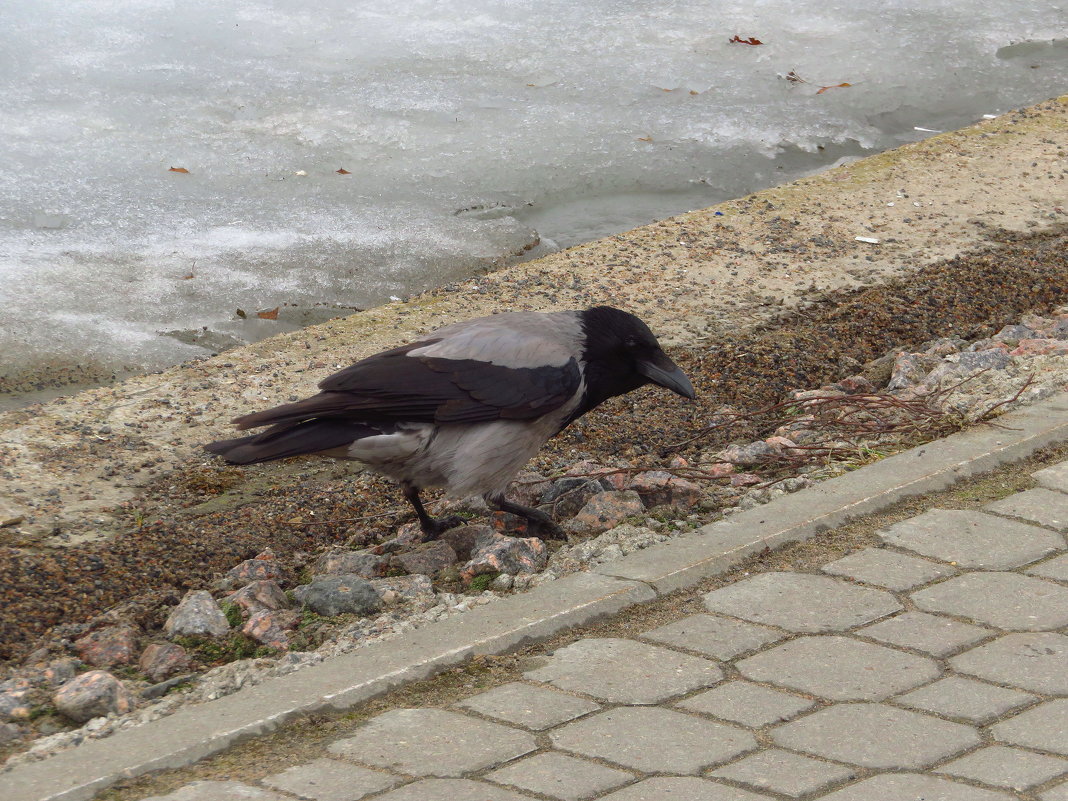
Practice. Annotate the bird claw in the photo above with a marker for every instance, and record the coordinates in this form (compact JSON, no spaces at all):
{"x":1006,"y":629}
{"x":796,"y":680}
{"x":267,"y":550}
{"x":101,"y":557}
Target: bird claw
{"x":435,"y":528}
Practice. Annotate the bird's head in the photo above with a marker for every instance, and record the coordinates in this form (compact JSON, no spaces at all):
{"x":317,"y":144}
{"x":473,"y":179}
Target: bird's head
{"x":621,"y":354}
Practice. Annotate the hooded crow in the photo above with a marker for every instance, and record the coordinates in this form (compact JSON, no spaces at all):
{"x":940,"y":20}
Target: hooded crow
{"x":466,"y":406}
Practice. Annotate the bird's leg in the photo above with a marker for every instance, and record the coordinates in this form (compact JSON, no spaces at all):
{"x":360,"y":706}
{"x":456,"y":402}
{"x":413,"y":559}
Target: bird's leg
{"x":542,"y":526}
{"x":432,"y":529}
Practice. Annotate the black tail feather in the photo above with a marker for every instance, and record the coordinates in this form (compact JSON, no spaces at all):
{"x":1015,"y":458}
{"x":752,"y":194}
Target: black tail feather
{"x":285,"y":440}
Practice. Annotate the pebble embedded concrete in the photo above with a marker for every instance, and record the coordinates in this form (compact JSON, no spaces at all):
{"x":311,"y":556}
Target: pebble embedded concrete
{"x":933,"y":667}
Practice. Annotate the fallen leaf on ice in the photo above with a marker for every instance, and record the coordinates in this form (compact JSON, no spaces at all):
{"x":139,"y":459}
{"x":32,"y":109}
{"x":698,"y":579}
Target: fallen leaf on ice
{"x":752,"y":40}
{"x":835,"y":86}
{"x":271,"y":314}
{"x":179,"y":169}
{"x":343,"y":171}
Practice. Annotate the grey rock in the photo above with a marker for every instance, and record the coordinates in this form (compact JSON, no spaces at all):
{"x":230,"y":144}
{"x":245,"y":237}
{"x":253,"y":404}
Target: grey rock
{"x":10,"y":733}
{"x":427,"y":558}
{"x":496,"y":553}
{"x":198,"y":613}
{"x":569,"y":494}
{"x":345,"y":561}
{"x":330,"y":596}
{"x":754,"y":453}
{"x":259,"y":596}
{"x":91,"y":695}
{"x":160,"y":660}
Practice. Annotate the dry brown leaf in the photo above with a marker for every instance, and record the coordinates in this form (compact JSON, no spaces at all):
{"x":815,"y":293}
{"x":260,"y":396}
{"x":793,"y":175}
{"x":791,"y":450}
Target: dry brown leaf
{"x":645,"y":139}
{"x":187,"y":277}
{"x":835,"y":86}
{"x":179,"y":169}
{"x":343,"y":171}
{"x":270,"y":314}
{"x":752,"y":40}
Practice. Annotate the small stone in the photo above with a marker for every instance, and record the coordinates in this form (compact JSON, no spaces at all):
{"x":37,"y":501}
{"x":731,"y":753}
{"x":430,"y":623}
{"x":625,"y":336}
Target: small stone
{"x":9,"y":733}
{"x":162,"y":660}
{"x":606,"y":511}
{"x":497,"y":553}
{"x":198,"y":613}
{"x":16,"y":703}
{"x":337,"y":595}
{"x":503,"y":582}
{"x":528,"y":487}
{"x":1039,"y":347}
{"x":657,"y":488}
{"x":614,"y":544}
{"x":462,"y":539}
{"x":1014,"y":333}
{"x":251,"y":570}
{"x":718,"y":469}
{"x":757,"y":452}
{"x":55,"y":673}
{"x":93,"y":694}
{"x":416,"y":589}
{"x":745,"y":479}
{"x":258,"y":596}
{"x":114,"y":645}
{"x":909,"y":369}
{"x":568,"y":495}
{"x":339,"y":561}
{"x":428,"y":558}
{"x":269,"y":626}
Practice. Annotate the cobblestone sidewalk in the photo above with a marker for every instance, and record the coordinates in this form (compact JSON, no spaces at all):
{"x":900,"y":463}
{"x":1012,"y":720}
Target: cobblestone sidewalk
{"x":930,"y":669}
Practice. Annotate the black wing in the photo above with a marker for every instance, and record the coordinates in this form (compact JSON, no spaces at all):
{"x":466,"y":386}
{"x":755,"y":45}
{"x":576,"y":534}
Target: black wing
{"x":393,"y":386}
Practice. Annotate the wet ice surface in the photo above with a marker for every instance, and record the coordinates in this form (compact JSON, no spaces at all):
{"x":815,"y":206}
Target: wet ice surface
{"x":469,"y":131}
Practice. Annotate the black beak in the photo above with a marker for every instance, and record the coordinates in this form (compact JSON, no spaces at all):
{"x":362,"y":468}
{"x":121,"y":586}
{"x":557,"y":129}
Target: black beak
{"x":661,"y":370}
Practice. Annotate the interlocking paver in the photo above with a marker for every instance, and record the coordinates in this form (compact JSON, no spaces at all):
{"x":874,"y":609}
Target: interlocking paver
{"x":876,"y":736}
{"x":1055,"y":568}
{"x":654,"y":740}
{"x":932,"y":634}
{"x":1054,"y":477}
{"x":715,"y":636}
{"x":1036,"y":662}
{"x":1058,"y":793}
{"x":913,"y":787}
{"x":1010,"y":768}
{"x":748,"y":704}
{"x":973,"y":539}
{"x":1043,"y":506}
{"x":1004,"y":600}
{"x":432,"y":742}
{"x":801,"y":602}
{"x":839,"y":668}
{"x":884,"y":568}
{"x":1044,"y":727}
{"x":682,"y":788}
{"x":452,"y":790}
{"x":782,"y":772}
{"x":560,"y":776}
{"x":533,"y":707}
{"x":330,"y":780}
{"x":625,"y":671}
{"x":219,"y":791}
{"x":958,"y":697}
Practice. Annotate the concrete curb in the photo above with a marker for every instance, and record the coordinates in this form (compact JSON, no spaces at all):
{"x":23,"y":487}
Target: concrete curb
{"x":198,"y":731}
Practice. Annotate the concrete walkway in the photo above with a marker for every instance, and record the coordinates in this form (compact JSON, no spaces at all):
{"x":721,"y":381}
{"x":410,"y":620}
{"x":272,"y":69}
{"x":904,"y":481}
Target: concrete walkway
{"x":932,"y":667}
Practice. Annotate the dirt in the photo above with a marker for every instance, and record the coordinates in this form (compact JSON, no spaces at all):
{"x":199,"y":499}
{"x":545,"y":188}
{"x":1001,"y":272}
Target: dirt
{"x":304,"y":740}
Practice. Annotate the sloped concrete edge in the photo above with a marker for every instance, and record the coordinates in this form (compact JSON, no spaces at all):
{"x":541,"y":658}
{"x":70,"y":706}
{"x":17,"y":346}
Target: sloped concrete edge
{"x":201,"y":730}
{"x":717,"y":547}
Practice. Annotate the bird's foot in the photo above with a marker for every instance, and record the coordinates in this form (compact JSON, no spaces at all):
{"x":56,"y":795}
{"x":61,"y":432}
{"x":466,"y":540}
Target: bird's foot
{"x":435,"y":527}
{"x":539,"y":524}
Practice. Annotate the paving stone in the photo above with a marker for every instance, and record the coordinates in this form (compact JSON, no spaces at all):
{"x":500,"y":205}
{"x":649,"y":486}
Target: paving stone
{"x":932,"y":634}
{"x":682,"y":788}
{"x":958,"y":697}
{"x":973,"y":539}
{"x":1010,"y":768}
{"x":895,"y":571}
{"x":1058,"y":793}
{"x":782,"y":772}
{"x":1055,"y":477}
{"x":1004,"y":600}
{"x":1042,"y":506}
{"x":654,"y":740}
{"x":331,"y":780}
{"x":1055,"y":568}
{"x":876,"y":736}
{"x":801,"y":602}
{"x":625,"y":671}
{"x":1044,"y":727}
{"x":451,"y":790}
{"x":913,"y":787}
{"x":219,"y":791}
{"x":718,"y":637}
{"x":560,"y":776}
{"x":533,"y":707}
{"x":839,"y":668}
{"x":1036,"y":662}
{"x":748,"y":704}
{"x":432,"y":742}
